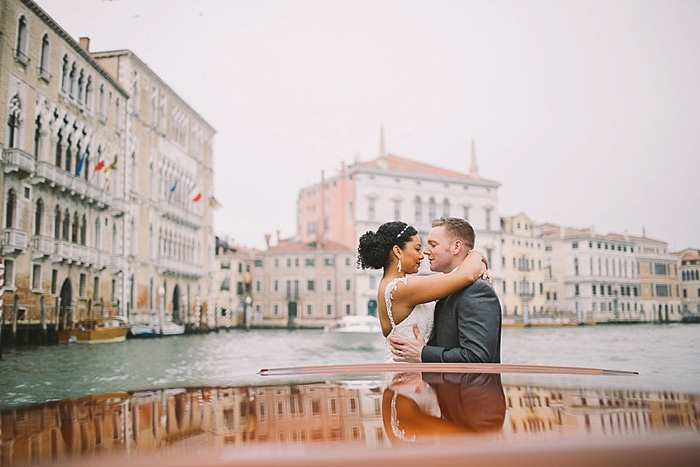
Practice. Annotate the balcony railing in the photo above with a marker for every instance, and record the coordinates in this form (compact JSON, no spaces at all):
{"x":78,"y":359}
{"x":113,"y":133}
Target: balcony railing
{"x":43,"y":246}
{"x":178,"y":267}
{"x":73,"y":253}
{"x":13,"y":240}
{"x":17,"y":160}
{"x":179,"y":214}
{"x":525,"y":295}
{"x":119,"y":206}
{"x":77,"y":186}
{"x":524,"y":267}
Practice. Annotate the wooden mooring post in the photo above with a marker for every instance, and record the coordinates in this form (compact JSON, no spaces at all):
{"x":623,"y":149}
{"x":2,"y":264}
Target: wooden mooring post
{"x":43,"y":338}
{"x":58,"y":314}
{"x":2,"y":303}
{"x":15,"y":309}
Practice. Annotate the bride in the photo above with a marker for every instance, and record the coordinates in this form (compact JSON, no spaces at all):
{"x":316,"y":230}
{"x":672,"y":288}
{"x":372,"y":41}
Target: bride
{"x":396,"y":248}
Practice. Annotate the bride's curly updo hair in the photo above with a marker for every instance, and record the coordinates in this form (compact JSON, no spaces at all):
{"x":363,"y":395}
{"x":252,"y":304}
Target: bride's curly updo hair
{"x":374,"y":248}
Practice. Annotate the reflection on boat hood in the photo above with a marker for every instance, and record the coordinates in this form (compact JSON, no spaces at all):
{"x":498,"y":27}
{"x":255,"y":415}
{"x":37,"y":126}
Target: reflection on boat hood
{"x":384,"y":411}
{"x":416,"y":408}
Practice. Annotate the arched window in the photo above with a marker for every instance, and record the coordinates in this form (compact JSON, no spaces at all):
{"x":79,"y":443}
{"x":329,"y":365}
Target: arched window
{"x":419,"y":209}
{"x":38,"y":216}
{"x":81,"y":83}
{"x":88,"y":93}
{"x":83,"y":230}
{"x":57,"y":223}
{"x":10,"y":208}
{"x":44,"y":58}
{"x":22,"y":39}
{"x":134,"y":172}
{"x":431,"y":208}
{"x":97,"y":234}
{"x":59,"y":149}
{"x":66,"y":225}
{"x":71,"y":80}
{"x":86,"y":163}
{"x":116,"y":113}
{"x":134,"y":237}
{"x":101,"y":108}
{"x":69,"y":157}
{"x":64,"y":73}
{"x":446,"y":207}
{"x":37,"y":137}
{"x":74,"y":233}
{"x":14,"y":120}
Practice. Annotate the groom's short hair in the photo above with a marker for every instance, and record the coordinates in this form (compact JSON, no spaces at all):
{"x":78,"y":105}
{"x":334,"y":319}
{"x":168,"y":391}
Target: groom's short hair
{"x":458,"y":228}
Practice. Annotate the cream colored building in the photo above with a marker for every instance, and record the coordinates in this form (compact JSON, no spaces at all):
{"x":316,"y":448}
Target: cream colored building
{"x":297,"y":284}
{"x":367,"y":194}
{"x":689,"y":267}
{"x":591,"y":276}
{"x":62,"y":188}
{"x":232,"y":282}
{"x":522,"y":292}
{"x":659,"y":278}
{"x":168,"y":167}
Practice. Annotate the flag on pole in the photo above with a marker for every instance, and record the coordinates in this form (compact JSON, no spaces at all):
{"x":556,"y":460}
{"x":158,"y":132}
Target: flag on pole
{"x":100,"y":163}
{"x":112,"y":166}
{"x":172,"y":188}
{"x":213,"y":203}
{"x":81,"y":162}
{"x":197,"y":197}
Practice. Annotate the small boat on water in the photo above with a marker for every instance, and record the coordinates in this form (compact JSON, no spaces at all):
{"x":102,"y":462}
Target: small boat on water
{"x":354,"y":332}
{"x":154,"y":329}
{"x":96,"y":331}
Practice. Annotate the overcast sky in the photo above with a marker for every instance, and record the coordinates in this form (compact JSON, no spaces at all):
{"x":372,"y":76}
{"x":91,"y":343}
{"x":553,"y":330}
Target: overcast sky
{"x":587,"y":112}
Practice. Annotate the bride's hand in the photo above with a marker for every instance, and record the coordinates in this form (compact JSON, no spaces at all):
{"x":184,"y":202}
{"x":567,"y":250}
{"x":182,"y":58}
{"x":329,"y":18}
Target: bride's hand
{"x":486,"y":275}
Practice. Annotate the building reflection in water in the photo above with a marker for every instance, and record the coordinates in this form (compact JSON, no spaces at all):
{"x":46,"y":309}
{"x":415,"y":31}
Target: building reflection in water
{"x":404,"y":408}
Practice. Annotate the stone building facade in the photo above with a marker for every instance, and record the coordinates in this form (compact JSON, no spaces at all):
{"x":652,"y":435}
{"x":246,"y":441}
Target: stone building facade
{"x":594,"y":276}
{"x":610,"y":277}
{"x":169,"y":171}
{"x":522,"y":292}
{"x":366,"y":194}
{"x":658,"y":276}
{"x":689,"y":267}
{"x":232,"y":282}
{"x":61,"y":182}
{"x":297,"y":284}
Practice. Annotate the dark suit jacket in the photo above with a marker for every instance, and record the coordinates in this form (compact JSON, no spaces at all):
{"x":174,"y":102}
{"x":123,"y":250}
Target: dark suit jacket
{"x":475,"y":401}
{"x":467,"y":327}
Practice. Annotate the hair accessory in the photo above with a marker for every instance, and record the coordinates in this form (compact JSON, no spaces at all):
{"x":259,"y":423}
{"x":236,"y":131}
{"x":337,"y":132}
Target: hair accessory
{"x":401,"y":233}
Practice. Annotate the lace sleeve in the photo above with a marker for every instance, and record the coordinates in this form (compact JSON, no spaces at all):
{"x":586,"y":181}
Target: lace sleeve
{"x":388,"y":296}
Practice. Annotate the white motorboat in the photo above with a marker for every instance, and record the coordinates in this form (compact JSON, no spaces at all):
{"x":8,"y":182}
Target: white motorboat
{"x":354,"y":332}
{"x":153,"y":329}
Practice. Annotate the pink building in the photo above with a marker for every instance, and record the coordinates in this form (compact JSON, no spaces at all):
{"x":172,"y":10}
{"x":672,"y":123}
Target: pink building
{"x":366,"y":194}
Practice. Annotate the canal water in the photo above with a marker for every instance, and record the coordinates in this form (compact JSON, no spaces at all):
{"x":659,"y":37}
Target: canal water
{"x":666,"y":356}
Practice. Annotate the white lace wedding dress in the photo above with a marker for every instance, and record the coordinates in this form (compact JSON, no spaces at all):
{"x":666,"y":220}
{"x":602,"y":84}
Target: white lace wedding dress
{"x":422,"y":315}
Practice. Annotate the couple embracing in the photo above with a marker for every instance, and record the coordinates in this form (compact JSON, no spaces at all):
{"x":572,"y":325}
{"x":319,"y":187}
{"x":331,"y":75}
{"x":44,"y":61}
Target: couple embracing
{"x":457,"y":312}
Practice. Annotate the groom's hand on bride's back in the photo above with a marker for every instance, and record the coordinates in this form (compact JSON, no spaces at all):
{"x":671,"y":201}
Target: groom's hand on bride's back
{"x":407,"y":349}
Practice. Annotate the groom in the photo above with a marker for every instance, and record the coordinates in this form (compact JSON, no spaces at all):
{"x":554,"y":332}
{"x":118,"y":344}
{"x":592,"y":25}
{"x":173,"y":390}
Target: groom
{"x":468,"y":322}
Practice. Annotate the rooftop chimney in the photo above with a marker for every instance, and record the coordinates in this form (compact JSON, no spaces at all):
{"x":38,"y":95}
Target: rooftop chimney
{"x":267,"y":239}
{"x":85,"y":43}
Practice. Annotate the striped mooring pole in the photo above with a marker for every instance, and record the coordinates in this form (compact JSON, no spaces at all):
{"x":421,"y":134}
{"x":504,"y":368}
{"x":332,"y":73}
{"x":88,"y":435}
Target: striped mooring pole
{"x":2,"y":303}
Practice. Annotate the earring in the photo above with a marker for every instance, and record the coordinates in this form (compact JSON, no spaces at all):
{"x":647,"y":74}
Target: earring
{"x":399,"y":266}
